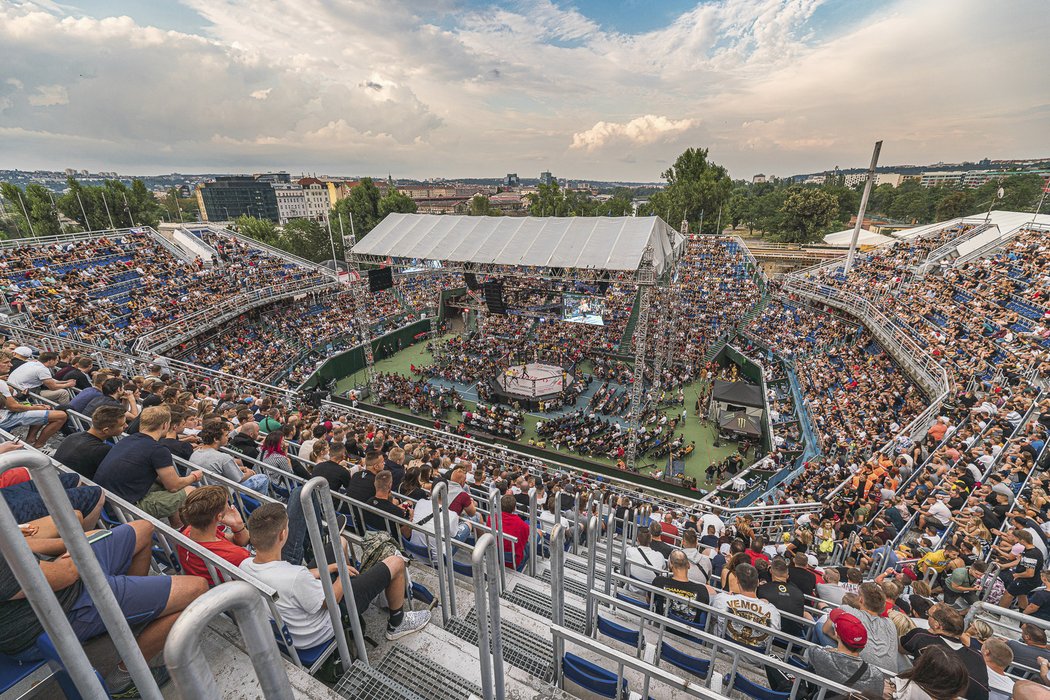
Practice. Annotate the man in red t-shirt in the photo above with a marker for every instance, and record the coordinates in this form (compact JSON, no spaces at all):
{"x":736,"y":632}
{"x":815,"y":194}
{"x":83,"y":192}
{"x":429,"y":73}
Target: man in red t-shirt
{"x":669,"y":529}
{"x":514,"y":526}
{"x":215,"y":525}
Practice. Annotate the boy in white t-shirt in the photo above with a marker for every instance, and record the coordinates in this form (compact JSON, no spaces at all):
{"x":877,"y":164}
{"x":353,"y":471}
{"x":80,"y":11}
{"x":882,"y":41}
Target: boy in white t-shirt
{"x":301,"y":600}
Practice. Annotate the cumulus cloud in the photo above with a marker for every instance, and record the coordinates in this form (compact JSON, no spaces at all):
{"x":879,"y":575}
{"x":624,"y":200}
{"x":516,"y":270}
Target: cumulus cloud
{"x":456,"y":89}
{"x":49,"y":96}
{"x":641,"y":130}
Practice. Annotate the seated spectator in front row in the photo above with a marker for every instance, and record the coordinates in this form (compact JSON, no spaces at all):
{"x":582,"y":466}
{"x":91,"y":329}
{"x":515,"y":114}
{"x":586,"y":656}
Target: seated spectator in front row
{"x":680,"y":584}
{"x":644,"y":562}
{"x":208,"y":455}
{"x":516,"y":527}
{"x":936,"y":675}
{"x":1031,"y":647}
{"x":844,"y":664}
{"x":154,"y":601}
{"x":301,"y":600}
{"x":42,"y":421}
{"x":743,"y":602}
{"x":997,"y":657}
{"x":215,"y":525}
{"x":946,"y":628}
{"x":140,"y":470}
{"x":83,"y":452}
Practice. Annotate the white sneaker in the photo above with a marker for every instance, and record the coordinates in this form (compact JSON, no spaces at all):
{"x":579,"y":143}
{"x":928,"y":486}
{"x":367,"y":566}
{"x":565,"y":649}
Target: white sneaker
{"x":48,"y":450}
{"x":413,"y":621}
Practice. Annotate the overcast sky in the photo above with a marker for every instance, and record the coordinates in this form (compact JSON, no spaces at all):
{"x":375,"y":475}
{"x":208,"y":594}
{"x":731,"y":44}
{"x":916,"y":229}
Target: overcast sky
{"x":593,"y":89}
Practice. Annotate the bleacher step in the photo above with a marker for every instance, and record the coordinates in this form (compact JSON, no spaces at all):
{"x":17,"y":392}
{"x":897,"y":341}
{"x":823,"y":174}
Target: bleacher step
{"x":521,"y":647}
{"x":539,"y":603}
{"x":572,"y":585}
{"x":428,"y":679}
{"x":363,"y":681}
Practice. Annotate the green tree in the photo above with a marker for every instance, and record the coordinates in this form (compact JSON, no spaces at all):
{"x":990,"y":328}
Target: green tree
{"x":359,"y":209}
{"x":954,"y":204}
{"x":394,"y":202}
{"x":262,"y":230}
{"x":110,"y":204}
{"x":479,"y":205}
{"x":547,"y":200}
{"x":806,"y":213}
{"x":43,"y":219}
{"x":695,"y":185}
{"x":307,"y":239}
{"x":618,"y":205}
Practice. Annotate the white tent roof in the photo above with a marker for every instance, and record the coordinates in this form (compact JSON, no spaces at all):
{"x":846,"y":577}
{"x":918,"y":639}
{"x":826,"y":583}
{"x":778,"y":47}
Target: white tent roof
{"x":599,"y":242}
{"x":866,"y":237}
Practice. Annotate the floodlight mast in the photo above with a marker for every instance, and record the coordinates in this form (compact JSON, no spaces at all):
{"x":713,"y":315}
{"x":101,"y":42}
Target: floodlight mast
{"x":863,"y":207}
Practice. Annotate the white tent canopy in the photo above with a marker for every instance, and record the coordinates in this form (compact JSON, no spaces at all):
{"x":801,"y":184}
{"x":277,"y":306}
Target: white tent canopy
{"x":866,"y":237}
{"x":597,"y":243}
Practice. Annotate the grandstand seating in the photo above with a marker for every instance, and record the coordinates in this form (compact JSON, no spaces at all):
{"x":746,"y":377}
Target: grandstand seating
{"x":569,"y":613}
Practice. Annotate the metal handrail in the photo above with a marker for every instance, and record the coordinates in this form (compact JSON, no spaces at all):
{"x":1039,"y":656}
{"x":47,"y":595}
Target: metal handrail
{"x":185,"y":657}
{"x":45,"y":477}
{"x":26,"y":569}
{"x":320,"y":486}
{"x":485,"y":563}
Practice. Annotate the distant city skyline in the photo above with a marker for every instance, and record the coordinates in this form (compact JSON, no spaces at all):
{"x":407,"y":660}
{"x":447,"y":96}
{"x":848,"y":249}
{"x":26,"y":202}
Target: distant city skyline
{"x":591,"y":90}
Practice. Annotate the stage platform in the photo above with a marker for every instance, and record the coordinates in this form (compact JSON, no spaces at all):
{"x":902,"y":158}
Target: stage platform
{"x":534,"y":380}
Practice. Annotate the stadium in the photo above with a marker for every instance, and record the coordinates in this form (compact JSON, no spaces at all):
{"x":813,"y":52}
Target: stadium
{"x":586,"y":457}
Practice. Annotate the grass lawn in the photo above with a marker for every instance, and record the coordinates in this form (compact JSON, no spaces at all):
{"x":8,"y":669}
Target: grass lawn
{"x":702,"y":434}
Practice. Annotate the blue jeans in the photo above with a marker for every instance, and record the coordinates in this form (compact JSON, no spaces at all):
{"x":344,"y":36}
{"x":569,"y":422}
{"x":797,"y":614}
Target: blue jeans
{"x":258,"y":482}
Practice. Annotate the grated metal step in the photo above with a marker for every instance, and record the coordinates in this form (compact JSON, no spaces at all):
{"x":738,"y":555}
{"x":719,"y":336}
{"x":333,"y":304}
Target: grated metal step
{"x":363,"y":681}
{"x":426,"y":678}
{"x":540,"y":603}
{"x":572,"y":585}
{"x":581,"y":566}
{"x":521,"y":647}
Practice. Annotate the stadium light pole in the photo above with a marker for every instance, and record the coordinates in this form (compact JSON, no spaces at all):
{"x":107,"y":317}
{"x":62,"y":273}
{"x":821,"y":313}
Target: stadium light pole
{"x":26,"y":212}
{"x":87,"y":224}
{"x":999,"y":194}
{"x":54,"y":209}
{"x":127,"y":207}
{"x":331,"y":239}
{"x":108,"y":215}
{"x":863,"y":207}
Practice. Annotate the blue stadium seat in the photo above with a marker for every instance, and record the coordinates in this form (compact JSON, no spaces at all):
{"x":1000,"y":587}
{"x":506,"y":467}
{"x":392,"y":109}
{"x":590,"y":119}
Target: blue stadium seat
{"x":591,"y":676}
{"x":686,"y":662}
{"x":13,"y":672}
{"x":50,"y":653}
{"x":618,"y":632}
{"x":752,"y":689}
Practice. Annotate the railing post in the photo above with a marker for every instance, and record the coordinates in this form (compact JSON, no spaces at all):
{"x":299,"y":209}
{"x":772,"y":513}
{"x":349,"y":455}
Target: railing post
{"x":484,"y":564}
{"x":45,"y":477}
{"x":558,"y":595}
{"x":576,"y":523}
{"x":26,"y":569}
{"x":610,"y":533}
{"x":185,"y":658}
{"x":533,"y":529}
{"x":496,"y":522}
{"x":444,"y":566}
{"x":319,"y":485}
{"x":592,"y":544}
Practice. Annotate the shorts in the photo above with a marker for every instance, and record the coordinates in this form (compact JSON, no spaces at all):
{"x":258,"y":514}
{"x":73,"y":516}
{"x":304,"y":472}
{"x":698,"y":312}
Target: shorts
{"x":24,"y":418}
{"x":26,"y":504}
{"x":368,"y":585}
{"x":142,"y":599}
{"x":1022,"y":587}
{"x":161,"y":503}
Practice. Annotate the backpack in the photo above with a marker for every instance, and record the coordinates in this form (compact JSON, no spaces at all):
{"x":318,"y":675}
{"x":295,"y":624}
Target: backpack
{"x":376,"y":547}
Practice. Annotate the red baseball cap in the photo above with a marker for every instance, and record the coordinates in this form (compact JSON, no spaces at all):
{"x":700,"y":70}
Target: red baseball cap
{"x":849,"y":629}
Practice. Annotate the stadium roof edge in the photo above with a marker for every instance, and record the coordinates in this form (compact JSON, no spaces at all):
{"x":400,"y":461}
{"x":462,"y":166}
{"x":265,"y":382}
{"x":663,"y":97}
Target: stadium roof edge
{"x":591,"y":243}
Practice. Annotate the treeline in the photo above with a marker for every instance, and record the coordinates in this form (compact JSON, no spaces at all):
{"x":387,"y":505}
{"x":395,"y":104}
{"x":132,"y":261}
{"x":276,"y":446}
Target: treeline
{"x":37,"y":211}
{"x":356,"y":214}
{"x":803,"y":213}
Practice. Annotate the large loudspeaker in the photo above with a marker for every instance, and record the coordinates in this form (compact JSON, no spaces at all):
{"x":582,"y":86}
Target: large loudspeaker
{"x":380,"y":279}
{"x":471,"y":280}
{"x":494,"y":298}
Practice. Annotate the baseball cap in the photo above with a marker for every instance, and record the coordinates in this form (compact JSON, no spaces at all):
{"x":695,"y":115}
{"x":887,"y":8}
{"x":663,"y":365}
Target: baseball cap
{"x":23,"y":351}
{"x":849,"y":629}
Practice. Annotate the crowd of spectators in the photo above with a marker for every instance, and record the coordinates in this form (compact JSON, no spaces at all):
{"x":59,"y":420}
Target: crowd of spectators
{"x":110,"y":291}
